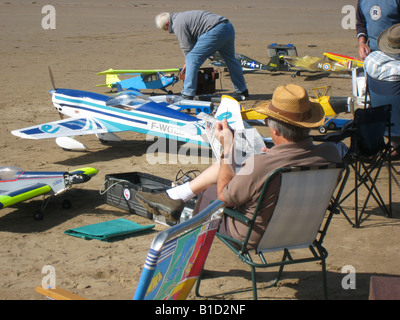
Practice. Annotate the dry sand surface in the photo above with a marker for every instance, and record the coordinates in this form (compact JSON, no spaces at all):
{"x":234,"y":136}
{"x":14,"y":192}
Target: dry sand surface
{"x":92,"y":36}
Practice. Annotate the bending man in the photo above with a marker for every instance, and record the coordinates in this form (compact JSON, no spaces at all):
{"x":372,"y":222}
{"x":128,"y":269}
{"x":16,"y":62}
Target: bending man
{"x":200,"y":35}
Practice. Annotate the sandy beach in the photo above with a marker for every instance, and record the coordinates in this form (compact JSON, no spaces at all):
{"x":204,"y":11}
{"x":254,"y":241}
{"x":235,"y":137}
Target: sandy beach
{"x":92,"y":36}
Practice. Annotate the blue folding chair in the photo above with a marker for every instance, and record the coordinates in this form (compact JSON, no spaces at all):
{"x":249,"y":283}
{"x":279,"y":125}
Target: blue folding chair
{"x":177,"y":256}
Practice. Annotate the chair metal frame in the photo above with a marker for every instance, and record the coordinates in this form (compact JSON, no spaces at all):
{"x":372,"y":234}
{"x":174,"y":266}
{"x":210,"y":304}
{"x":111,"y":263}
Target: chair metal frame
{"x":314,"y":244}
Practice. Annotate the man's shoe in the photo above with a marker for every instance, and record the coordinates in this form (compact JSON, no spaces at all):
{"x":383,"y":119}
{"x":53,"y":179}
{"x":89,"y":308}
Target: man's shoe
{"x":161,"y":203}
{"x":245,"y":93}
{"x":186,"y":97}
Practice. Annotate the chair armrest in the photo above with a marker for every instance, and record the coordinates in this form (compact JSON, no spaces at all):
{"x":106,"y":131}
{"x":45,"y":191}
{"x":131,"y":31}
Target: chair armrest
{"x":237,"y":215}
{"x":335,"y":136}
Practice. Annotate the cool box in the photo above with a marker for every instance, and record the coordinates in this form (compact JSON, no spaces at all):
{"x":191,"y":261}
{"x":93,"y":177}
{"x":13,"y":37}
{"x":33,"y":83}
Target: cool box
{"x":121,"y":189}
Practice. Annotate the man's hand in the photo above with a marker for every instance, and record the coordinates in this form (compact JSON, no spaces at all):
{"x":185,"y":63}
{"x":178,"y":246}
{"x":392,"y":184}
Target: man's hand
{"x":183,"y":70}
{"x":363,"y":50}
{"x":225,"y":135}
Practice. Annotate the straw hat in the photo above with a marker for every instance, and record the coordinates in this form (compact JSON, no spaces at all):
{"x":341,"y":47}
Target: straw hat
{"x":291,"y":104}
{"x":389,"y":40}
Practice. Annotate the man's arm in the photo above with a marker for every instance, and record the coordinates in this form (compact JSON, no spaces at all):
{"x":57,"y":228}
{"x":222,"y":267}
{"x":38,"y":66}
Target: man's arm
{"x":225,"y":175}
{"x":226,"y":172}
{"x":362,"y":36}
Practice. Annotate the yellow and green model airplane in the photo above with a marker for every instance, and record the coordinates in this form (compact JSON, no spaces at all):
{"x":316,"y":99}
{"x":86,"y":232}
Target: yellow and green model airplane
{"x":17,"y":185}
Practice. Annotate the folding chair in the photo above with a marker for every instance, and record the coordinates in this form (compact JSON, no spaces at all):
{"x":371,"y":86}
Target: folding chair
{"x":369,"y":151}
{"x":177,"y":255}
{"x":305,"y":195}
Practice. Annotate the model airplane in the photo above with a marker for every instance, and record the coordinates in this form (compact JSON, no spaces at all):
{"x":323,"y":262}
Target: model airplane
{"x":17,"y":185}
{"x":333,"y":106}
{"x":144,"y":79}
{"x":310,"y":64}
{"x":350,"y":62}
{"x":248,"y":64}
{"x":93,"y":113}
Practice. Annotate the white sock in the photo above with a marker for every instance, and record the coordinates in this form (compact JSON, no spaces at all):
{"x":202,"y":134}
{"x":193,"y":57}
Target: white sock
{"x":182,"y":191}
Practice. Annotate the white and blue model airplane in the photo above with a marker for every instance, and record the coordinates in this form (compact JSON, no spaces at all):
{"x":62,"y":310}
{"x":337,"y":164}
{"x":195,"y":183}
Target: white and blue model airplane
{"x":102,"y":115}
{"x":92,"y":113}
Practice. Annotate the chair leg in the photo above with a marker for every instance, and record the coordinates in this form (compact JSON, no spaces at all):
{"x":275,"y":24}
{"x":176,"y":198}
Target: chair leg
{"x":324,"y":279}
{"x":197,"y":288}
{"x":357,"y":223}
{"x":285,"y":255}
{"x":254,"y":280}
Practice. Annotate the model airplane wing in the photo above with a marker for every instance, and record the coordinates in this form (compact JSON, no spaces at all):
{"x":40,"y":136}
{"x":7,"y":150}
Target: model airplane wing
{"x":133,"y":72}
{"x":145,"y":79}
{"x":247,"y":63}
{"x":63,"y":128}
{"x":305,"y":63}
{"x":9,"y":198}
{"x":315,"y":64}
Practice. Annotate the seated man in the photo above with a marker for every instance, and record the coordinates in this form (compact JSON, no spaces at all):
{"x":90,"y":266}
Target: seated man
{"x":291,"y":115}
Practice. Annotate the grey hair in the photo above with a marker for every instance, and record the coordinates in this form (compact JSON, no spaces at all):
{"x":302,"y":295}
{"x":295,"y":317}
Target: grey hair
{"x":288,"y":131}
{"x":162,"y":19}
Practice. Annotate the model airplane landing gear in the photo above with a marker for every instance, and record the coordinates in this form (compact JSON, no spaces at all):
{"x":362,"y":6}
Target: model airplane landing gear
{"x":39,"y":213}
{"x":294,"y":75}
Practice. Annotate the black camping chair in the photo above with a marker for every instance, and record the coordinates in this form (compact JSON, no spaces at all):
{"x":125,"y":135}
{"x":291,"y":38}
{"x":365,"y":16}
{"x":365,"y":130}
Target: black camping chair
{"x":298,"y":220}
{"x":369,"y":152}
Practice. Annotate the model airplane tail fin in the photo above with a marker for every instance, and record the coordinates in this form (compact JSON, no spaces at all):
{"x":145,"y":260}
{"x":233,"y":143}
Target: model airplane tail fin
{"x":247,"y":141}
{"x":111,"y":80}
{"x":82,"y":175}
{"x":273,"y":64}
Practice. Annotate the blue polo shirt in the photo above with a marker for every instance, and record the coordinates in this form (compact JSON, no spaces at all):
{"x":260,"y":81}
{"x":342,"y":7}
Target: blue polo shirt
{"x":374,"y":16}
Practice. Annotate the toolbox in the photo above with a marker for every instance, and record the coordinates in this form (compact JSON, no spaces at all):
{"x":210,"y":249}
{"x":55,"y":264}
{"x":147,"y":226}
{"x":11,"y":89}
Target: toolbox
{"x":205,"y":80}
{"x":121,"y":189}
